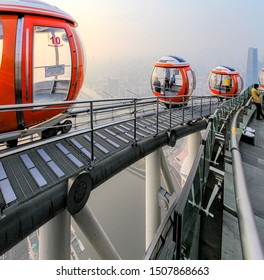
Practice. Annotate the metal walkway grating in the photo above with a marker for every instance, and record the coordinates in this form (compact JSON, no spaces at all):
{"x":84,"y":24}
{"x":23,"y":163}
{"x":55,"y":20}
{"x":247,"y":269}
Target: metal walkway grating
{"x":38,"y":168}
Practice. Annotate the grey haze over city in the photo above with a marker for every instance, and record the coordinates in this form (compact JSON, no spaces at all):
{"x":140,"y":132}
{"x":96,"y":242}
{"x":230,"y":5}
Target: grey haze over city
{"x":123,"y":38}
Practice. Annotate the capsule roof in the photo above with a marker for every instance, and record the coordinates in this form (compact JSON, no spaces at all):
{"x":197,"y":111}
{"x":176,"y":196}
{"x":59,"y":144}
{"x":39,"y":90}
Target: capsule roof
{"x":34,"y":7}
{"x":225,"y":70}
{"x":171,"y":61}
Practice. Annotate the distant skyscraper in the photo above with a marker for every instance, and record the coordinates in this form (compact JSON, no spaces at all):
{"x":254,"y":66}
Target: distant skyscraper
{"x":252,"y":67}
{"x":113,"y":87}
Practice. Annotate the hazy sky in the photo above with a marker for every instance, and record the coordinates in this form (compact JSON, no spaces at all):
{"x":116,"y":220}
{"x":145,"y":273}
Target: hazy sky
{"x":201,"y":31}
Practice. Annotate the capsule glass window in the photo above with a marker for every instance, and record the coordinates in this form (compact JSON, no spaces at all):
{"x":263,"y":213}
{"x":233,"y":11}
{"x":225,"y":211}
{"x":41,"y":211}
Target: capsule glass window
{"x":51,"y":64}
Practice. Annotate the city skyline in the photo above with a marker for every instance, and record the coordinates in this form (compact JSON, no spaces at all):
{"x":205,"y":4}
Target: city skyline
{"x":252,"y":67}
{"x":114,"y":149}
{"x":196,"y":30}
{"x":136,"y":80}
{"x":122,"y":37}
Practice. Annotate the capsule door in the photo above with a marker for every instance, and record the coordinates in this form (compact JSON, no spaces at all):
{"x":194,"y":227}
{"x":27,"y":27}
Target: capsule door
{"x":191,"y":81}
{"x":240,"y":84}
{"x":169,"y":82}
{"x":48,"y":67}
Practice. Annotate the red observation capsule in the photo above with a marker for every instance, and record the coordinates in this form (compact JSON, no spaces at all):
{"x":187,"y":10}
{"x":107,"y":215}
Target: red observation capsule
{"x":261,"y":78}
{"x":173,"y":80}
{"x":225,"y":82}
{"x":41,"y":61}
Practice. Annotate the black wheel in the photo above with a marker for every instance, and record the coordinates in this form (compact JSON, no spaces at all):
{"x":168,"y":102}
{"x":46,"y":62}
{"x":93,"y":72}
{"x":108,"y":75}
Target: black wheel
{"x":66,"y":126}
{"x":172,"y":138}
{"x":50,"y":132}
{"x":11,"y":143}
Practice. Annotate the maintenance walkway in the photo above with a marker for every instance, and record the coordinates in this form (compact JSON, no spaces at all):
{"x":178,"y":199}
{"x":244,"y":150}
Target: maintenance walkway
{"x":109,"y":136}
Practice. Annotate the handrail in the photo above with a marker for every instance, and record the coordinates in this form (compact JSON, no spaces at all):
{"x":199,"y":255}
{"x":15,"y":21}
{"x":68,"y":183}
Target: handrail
{"x":85,"y":101}
{"x":177,"y":207}
{"x":104,"y":111}
{"x":250,"y":241}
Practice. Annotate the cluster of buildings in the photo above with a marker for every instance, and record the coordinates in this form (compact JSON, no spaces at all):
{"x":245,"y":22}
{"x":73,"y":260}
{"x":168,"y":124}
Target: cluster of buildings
{"x":132,"y":78}
{"x":124,"y":81}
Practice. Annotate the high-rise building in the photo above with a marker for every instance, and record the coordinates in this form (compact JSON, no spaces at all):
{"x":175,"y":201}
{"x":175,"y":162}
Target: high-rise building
{"x":113,"y":87}
{"x":252,"y":67}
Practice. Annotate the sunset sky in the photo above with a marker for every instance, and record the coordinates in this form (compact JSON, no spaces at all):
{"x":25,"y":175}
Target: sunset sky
{"x":203,"y":32}
{"x":222,"y":28}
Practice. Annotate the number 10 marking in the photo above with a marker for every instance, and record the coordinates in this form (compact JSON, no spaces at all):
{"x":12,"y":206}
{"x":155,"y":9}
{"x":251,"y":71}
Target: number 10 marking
{"x":55,"y":42}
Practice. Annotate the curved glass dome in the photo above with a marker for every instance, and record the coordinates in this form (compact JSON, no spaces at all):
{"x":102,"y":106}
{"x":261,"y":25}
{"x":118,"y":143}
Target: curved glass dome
{"x":41,"y":60}
{"x":225,"y":82}
{"x":172,"y":79}
{"x":261,"y":78}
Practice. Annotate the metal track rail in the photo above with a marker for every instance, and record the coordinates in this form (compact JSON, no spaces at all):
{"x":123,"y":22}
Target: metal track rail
{"x":34,"y":177}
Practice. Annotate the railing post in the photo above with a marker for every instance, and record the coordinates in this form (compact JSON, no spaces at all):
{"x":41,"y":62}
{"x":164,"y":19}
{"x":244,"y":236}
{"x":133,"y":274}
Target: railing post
{"x":92,"y":131}
{"x":157,"y":120}
{"x":182,"y":110}
{"x":210,"y":108}
{"x":170,"y":116}
{"x":201,"y":111}
{"x":135,"y":121}
{"x":192,"y":107}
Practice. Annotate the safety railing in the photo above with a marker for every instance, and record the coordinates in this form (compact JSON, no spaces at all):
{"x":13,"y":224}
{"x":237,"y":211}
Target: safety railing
{"x":250,"y":241}
{"x":178,"y":235}
{"x":180,"y":229}
{"x":101,"y":114}
{"x":95,"y":114}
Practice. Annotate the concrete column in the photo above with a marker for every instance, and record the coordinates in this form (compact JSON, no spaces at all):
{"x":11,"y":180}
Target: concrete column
{"x":170,"y":188}
{"x":54,"y":238}
{"x":194,"y":141}
{"x":93,"y":231}
{"x":152,"y":187}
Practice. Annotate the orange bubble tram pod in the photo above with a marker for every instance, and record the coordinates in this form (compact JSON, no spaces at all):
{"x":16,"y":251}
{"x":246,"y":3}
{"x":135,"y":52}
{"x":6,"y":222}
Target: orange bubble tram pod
{"x":172,"y":80}
{"x":261,"y":78}
{"x":225,"y":82}
{"x":41,"y":61}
